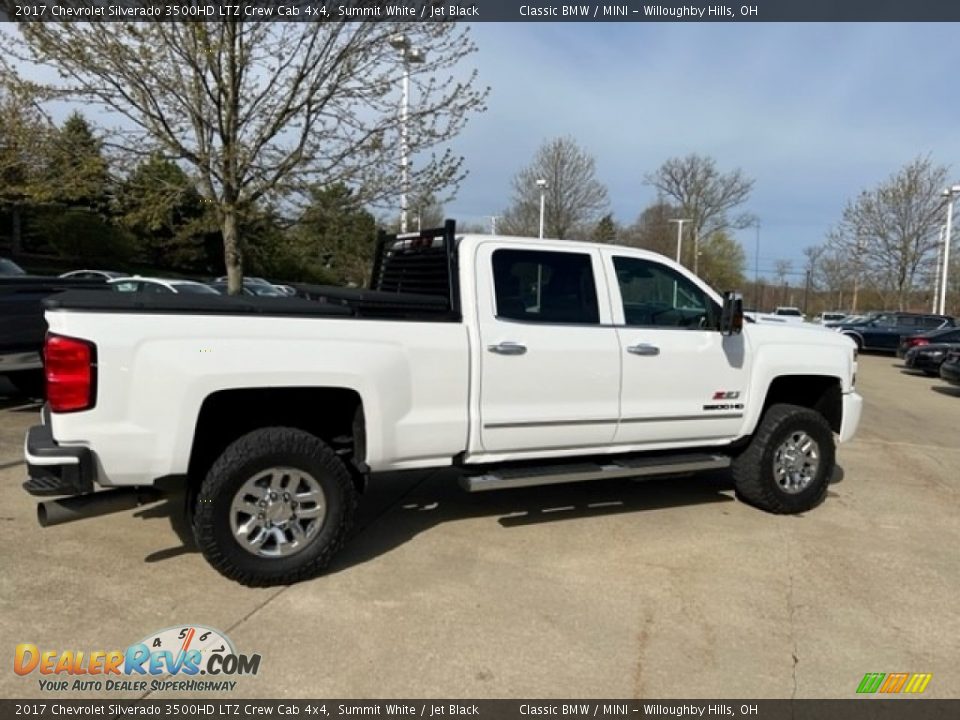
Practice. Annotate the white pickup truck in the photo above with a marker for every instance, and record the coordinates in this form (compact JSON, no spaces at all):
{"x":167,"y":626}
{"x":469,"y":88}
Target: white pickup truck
{"x":517,"y":361}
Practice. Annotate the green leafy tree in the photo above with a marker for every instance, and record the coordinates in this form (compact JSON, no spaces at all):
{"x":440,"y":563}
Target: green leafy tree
{"x":24,"y":131}
{"x":78,"y":232}
{"x":722,"y":262}
{"x":160,"y":205}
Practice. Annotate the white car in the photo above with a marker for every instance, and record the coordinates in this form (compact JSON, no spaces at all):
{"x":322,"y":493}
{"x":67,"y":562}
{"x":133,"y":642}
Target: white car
{"x":790,"y":314}
{"x":160,"y":286}
{"x":513,"y":361}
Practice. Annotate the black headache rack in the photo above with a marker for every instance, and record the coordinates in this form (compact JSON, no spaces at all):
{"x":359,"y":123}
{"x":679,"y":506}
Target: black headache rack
{"x":414,"y":278}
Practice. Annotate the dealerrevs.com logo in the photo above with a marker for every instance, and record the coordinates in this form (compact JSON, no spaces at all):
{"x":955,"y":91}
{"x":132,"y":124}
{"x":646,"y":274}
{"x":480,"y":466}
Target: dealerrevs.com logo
{"x":172,"y":659}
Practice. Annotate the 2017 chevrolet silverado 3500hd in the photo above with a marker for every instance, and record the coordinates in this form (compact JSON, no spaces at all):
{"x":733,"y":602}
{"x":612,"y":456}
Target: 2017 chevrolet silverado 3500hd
{"x":517,"y":361}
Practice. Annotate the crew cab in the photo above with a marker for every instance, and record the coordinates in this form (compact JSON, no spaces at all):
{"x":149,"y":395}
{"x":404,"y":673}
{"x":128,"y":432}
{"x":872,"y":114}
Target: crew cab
{"x":516,"y":361}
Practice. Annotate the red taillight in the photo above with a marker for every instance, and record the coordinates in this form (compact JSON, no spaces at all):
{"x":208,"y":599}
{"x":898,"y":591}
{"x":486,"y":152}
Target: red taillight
{"x":914,"y":342}
{"x":69,"y":365}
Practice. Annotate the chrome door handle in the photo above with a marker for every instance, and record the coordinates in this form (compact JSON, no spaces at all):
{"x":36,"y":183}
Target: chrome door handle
{"x":508,"y":348}
{"x":643,"y":349}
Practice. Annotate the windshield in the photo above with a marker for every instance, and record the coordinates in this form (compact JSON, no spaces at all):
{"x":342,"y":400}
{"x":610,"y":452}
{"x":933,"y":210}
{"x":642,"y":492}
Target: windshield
{"x":9,"y":267}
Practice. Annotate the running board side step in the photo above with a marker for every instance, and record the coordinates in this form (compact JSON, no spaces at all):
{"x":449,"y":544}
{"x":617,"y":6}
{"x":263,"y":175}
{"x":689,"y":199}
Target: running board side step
{"x":517,"y":477}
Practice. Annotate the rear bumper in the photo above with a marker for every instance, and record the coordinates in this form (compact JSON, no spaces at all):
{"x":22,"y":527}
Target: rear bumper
{"x":17,"y":361}
{"x":852,"y":409}
{"x":56,"y":469}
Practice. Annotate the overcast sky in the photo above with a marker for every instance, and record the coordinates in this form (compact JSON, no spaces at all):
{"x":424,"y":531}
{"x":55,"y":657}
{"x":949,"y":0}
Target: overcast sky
{"x":815,"y":113}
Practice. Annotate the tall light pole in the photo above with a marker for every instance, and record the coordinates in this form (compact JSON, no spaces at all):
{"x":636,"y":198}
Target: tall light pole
{"x":679,"y":222}
{"x":409,"y":55}
{"x":949,"y":193}
{"x":756,"y":267}
{"x":936,"y":277}
{"x":542,"y":184}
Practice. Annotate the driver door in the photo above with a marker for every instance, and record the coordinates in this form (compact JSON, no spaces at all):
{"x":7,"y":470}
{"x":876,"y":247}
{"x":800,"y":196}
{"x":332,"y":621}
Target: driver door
{"x":681,"y":379}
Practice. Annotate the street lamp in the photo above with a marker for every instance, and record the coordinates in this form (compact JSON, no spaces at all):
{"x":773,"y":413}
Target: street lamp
{"x":936,"y":275}
{"x":542,"y":184}
{"x":949,"y":194}
{"x":679,"y":222}
{"x":756,"y":267}
{"x":409,"y":55}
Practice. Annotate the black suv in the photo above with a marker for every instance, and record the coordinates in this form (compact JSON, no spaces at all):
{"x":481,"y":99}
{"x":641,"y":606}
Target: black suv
{"x":882,"y":332}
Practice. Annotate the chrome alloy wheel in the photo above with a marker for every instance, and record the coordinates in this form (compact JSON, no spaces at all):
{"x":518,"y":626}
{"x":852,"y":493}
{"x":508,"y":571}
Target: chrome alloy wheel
{"x":795,"y":463}
{"x":277,"y":512}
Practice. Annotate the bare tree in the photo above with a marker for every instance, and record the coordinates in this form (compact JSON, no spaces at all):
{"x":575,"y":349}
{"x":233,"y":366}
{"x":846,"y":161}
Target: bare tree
{"x":893,"y":230}
{"x":574,"y":199}
{"x":258,"y":109}
{"x":703,"y":193}
{"x":652,"y":229}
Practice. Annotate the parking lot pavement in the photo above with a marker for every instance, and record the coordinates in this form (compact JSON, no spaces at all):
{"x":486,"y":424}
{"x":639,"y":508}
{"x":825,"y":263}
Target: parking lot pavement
{"x":663,"y":588}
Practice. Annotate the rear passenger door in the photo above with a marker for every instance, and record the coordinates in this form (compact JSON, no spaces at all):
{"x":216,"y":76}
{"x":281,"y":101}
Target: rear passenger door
{"x":549,"y":358}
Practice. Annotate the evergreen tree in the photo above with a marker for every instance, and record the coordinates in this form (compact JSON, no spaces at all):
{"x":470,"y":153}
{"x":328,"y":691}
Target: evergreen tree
{"x":606,"y":230}
{"x":76,"y":172}
{"x":337,"y":232}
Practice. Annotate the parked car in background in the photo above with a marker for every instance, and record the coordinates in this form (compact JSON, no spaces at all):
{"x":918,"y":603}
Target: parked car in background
{"x":830,"y":316}
{"x":22,"y":325}
{"x":250,"y":287}
{"x":882,"y":332}
{"x":928,"y":358}
{"x":8,"y":268}
{"x":161,"y":286}
{"x":950,"y":367}
{"x":105,"y":275}
{"x":852,"y":318}
{"x":946,"y":335}
{"x":790,"y":314}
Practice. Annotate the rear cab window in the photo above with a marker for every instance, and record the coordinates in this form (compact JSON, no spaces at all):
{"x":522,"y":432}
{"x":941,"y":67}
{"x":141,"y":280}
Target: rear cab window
{"x":545,"y":287}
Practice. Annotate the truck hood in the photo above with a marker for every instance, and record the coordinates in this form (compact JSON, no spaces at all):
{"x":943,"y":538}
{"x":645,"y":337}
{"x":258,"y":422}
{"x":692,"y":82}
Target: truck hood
{"x":796,"y":334}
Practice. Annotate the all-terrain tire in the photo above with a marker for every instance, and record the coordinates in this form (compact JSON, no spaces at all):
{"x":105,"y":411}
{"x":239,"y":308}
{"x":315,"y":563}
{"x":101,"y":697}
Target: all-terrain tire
{"x":753,"y":470}
{"x":253,"y":453}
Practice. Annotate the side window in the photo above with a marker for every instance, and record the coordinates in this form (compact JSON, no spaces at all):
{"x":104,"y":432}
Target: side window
{"x":654,"y":295}
{"x":155,"y":289}
{"x":908,"y":321}
{"x":932,"y":321}
{"x":547,"y":287}
{"x":126,"y":287}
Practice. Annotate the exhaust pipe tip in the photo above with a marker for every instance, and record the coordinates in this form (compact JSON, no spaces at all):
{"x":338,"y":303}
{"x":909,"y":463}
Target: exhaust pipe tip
{"x":42,"y":514}
{"x":105,"y":502}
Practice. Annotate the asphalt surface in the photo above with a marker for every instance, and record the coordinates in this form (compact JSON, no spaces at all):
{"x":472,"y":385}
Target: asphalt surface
{"x":667,"y":588}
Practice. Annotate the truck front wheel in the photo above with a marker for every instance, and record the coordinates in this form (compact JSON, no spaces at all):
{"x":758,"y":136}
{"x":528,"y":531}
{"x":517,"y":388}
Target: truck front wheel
{"x":274,"y":508}
{"x":787,"y":466}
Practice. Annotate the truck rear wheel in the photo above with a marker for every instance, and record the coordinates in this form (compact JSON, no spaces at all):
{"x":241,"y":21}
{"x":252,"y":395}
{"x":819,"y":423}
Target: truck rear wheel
{"x":787,"y":466}
{"x":274,"y":508}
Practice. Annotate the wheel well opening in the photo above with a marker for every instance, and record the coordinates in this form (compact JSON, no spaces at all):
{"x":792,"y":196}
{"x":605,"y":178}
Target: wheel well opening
{"x":335,"y":415}
{"x":817,"y":392}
